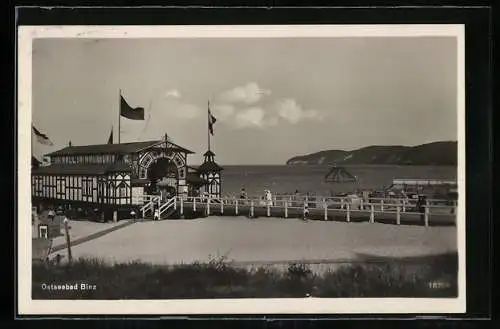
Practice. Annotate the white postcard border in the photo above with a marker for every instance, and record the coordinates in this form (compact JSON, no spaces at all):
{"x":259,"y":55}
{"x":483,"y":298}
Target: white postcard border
{"x":28,"y":306}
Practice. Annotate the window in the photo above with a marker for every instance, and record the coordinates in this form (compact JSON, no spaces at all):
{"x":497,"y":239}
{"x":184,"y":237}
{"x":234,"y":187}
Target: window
{"x":121,"y":190}
{"x":60,"y":185}
{"x":38,"y":185}
{"x":142,"y":172}
{"x":43,"y":231}
{"x":86,"y":186}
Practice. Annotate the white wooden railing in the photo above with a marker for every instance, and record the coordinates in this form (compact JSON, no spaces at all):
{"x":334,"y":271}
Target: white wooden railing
{"x":172,"y":202}
{"x":346,"y":205}
{"x":149,"y":201}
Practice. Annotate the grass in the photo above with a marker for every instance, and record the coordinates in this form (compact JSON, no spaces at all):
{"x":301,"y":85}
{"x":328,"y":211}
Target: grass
{"x":219,"y":279}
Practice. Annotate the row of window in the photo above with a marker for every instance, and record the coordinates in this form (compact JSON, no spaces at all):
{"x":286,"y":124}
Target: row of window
{"x":213,"y":188}
{"x":79,"y":188}
{"x":89,"y":159}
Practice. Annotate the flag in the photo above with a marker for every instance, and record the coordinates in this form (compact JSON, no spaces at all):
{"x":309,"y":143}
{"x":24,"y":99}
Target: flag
{"x":211,"y":121}
{"x":129,"y":112}
{"x":110,"y":139}
{"x":42,"y":138}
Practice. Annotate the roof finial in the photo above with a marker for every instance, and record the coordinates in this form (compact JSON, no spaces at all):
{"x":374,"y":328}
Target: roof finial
{"x":69,"y":144}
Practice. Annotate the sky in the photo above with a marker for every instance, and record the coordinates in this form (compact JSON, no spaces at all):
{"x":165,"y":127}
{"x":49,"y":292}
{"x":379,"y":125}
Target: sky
{"x":273,"y":98}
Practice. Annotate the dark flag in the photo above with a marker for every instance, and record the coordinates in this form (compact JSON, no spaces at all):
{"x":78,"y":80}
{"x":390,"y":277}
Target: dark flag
{"x":110,"y":139}
{"x":42,"y":138}
{"x":211,"y":121}
{"x":129,"y":112}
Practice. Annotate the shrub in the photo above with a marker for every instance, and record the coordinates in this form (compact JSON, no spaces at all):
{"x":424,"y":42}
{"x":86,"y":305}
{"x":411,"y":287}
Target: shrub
{"x":220,"y":279}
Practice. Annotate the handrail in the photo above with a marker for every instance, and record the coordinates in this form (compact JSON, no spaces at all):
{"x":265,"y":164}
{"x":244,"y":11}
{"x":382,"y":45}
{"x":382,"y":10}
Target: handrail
{"x":167,"y":205}
{"x":320,"y":204}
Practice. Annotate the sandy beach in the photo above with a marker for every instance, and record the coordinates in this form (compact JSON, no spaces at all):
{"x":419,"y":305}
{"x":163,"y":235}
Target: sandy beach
{"x":260,"y":241}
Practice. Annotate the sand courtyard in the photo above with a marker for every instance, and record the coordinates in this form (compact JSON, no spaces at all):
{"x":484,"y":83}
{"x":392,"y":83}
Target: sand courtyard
{"x":263,"y":240}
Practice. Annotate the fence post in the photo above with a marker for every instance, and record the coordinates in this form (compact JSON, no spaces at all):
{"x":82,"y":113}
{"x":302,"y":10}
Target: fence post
{"x":372,"y":214}
{"x":404,"y":205}
{"x":194,"y":203}
{"x":398,"y":215}
{"x":341,"y":203}
{"x":208,"y":206}
{"x":251,"y":208}
{"x":182,"y":205}
{"x":175,"y":203}
{"x":361,"y":205}
{"x":326,"y":209}
{"x":286,"y":209}
{"x":426,"y":215}
{"x":268,"y":210}
{"x":143,"y":210}
{"x":348,"y":214}
{"x":221,"y":207}
{"x":68,"y":239}
{"x":382,"y":205}
{"x":236,"y":207}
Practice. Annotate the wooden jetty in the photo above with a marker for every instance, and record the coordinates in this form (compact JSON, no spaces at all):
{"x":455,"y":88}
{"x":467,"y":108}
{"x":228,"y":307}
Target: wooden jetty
{"x":386,"y":210}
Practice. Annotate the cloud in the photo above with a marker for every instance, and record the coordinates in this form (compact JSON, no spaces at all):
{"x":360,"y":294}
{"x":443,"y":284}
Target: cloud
{"x":285,"y":110}
{"x":251,"y":117}
{"x":223,"y":112}
{"x":289,"y":110}
{"x":248,"y":94}
{"x":172,"y":93}
{"x":254,"y":117}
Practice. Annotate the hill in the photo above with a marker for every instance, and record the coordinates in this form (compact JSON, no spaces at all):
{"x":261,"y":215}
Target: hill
{"x":432,"y":154}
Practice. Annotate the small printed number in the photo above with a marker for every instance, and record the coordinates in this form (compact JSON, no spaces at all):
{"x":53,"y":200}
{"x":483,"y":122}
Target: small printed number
{"x":438,"y":285}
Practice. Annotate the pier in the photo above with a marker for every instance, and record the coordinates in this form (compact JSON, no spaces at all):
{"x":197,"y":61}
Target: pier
{"x":386,"y":210}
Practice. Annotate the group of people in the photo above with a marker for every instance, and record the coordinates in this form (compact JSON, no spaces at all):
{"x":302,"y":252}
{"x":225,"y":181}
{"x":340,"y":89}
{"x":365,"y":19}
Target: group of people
{"x":267,"y":200}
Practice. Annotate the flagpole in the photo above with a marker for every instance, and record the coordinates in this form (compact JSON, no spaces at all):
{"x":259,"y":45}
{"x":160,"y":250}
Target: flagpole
{"x":119,"y":114}
{"x":208,"y":125}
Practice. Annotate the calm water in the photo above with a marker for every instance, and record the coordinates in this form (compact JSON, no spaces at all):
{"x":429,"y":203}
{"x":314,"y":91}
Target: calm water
{"x":287,"y":179}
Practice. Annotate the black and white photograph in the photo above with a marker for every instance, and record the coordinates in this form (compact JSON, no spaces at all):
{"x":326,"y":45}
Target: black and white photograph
{"x":219,"y":169}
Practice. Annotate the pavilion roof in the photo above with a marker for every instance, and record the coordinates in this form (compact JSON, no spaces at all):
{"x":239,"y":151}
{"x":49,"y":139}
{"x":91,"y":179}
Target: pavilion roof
{"x":122,"y":148}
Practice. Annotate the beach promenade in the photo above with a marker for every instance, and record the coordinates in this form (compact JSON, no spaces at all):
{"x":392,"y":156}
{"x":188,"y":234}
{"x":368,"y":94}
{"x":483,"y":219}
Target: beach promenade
{"x":382,"y":210}
{"x":261,"y":241}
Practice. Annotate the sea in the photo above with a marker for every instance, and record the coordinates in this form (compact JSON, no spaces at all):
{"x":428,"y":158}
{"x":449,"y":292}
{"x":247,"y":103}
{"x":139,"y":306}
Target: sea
{"x":286,"y":179}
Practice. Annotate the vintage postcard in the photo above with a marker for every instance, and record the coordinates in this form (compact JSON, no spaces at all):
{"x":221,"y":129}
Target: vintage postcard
{"x":241,"y":169}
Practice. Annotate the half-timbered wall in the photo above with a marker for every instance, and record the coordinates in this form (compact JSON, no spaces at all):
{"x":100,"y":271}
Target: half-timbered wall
{"x":85,"y":159}
{"x":214,"y":184}
{"x":112,"y":189}
{"x":119,"y":190}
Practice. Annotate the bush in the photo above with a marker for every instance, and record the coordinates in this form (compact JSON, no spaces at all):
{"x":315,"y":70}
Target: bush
{"x":220,"y":279}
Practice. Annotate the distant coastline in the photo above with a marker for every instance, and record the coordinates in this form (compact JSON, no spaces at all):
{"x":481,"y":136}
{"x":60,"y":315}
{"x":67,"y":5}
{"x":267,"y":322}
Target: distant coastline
{"x":442,"y":153}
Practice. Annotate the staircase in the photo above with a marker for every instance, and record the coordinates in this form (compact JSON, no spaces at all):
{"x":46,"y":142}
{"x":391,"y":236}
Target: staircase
{"x":166,"y":209}
{"x":148,"y":207}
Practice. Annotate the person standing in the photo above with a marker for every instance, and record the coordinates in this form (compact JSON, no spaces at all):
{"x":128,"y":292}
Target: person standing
{"x":156,"y":214}
{"x":243,"y":193}
{"x":421,"y":205}
{"x":269,"y":198}
{"x":306,"y":212}
{"x":51,"y":214}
